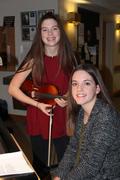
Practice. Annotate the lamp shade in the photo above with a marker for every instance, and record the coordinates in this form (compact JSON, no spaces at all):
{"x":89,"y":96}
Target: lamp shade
{"x":118,"y":26}
{"x":73,"y":17}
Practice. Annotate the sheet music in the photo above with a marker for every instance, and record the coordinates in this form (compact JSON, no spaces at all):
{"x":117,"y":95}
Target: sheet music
{"x":14,"y":163}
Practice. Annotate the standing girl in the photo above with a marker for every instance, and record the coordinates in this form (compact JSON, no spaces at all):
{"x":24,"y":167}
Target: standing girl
{"x":50,"y":60}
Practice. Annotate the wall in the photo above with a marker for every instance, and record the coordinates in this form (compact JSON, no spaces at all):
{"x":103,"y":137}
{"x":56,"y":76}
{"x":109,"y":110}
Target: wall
{"x":14,"y":8}
{"x":66,"y":6}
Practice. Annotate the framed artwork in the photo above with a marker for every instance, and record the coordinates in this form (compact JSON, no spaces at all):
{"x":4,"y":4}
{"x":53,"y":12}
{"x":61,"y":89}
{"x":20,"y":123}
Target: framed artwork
{"x":28,"y":33}
{"x":29,"y":21}
{"x":29,"y":18}
{"x":9,"y":21}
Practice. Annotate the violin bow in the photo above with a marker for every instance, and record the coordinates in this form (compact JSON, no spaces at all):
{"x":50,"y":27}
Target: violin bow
{"x":49,"y":143}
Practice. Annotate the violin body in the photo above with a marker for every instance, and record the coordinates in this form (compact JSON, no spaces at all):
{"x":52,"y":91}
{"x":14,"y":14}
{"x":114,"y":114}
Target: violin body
{"x":45,"y":93}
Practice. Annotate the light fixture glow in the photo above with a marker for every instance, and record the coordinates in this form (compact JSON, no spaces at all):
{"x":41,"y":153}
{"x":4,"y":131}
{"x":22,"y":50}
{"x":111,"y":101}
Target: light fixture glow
{"x":117,"y":26}
{"x":73,"y":17}
{"x":81,"y":1}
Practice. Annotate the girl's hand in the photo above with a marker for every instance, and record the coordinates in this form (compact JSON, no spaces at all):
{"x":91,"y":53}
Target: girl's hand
{"x":61,"y":102}
{"x":45,"y":108}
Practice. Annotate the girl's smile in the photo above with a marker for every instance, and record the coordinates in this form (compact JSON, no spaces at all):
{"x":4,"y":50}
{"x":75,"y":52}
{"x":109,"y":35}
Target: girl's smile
{"x":50,"y":32}
{"x":84,"y":89}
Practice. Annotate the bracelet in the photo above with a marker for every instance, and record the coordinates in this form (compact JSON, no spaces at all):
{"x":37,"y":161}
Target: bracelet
{"x":37,"y":104}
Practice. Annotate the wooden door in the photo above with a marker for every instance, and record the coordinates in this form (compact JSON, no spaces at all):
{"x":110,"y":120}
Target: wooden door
{"x":7,"y":48}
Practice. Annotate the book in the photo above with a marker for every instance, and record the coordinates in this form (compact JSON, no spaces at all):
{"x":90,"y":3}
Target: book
{"x":14,"y":163}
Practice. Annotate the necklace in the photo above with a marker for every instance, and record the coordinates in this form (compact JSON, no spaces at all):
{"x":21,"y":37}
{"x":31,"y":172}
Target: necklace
{"x":80,"y":143}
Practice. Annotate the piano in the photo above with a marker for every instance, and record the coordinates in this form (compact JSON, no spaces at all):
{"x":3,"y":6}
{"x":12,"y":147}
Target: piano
{"x":7,"y":145}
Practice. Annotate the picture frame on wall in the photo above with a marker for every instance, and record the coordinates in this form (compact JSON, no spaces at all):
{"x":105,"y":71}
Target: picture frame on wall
{"x":25,"y":33}
{"x":29,"y":18}
{"x":28,"y":24}
{"x":9,"y":21}
{"x":28,"y":33}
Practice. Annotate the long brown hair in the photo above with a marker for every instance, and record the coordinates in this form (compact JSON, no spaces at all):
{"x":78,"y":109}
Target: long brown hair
{"x":35,"y":56}
{"x":73,"y":107}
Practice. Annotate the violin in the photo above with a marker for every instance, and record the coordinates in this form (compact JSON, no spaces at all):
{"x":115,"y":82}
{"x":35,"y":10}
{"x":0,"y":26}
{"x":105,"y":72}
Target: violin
{"x":44,"y":93}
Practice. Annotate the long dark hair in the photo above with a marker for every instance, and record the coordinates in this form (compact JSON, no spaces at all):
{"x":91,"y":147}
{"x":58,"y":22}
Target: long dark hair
{"x":35,"y":56}
{"x":73,"y":107}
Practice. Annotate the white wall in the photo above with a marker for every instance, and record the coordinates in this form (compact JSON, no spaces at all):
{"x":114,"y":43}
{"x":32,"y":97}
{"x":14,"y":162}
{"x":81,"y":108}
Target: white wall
{"x":14,"y":8}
